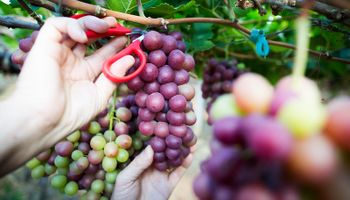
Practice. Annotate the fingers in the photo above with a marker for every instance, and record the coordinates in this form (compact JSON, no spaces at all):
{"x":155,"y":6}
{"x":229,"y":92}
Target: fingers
{"x":136,"y":167}
{"x":18,"y":57}
{"x":105,"y":87}
{"x":79,"y":50}
{"x":95,"y":24}
{"x":177,"y":174}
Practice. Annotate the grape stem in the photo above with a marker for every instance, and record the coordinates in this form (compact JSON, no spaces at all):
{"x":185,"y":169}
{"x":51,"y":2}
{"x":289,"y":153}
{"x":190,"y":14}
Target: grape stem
{"x":112,"y":111}
{"x":158,"y":22}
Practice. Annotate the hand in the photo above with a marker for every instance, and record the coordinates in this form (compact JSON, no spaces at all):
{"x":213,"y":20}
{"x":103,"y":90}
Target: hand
{"x":140,"y":181}
{"x":59,"y":89}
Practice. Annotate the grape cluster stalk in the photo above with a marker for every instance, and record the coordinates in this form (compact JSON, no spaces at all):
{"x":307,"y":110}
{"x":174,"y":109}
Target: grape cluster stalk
{"x":163,"y":95}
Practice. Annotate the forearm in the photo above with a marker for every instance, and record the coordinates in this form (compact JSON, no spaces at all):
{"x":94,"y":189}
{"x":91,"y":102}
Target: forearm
{"x":20,"y":128}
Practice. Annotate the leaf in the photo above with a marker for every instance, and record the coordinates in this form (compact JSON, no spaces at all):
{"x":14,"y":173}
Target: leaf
{"x":166,"y":9}
{"x":201,"y":45}
{"x":176,"y":2}
{"x":125,"y":6}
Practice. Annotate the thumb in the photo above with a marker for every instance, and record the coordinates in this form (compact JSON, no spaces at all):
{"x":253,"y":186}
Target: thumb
{"x":137,"y":166}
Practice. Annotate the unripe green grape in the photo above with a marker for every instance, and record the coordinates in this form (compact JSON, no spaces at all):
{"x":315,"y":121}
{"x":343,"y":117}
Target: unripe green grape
{"x":224,"y":106}
{"x":71,"y":188}
{"x":94,"y":127}
{"x":302,"y":118}
{"x":97,"y":142}
{"x":109,"y":164}
{"x":62,"y":171}
{"x":123,"y":155}
{"x":137,"y":143}
{"x":49,"y":169}
{"x":111,"y":176}
{"x":58,"y":181}
{"x":74,"y":137}
{"x":92,"y":195}
{"x":38,"y":172}
{"x":109,"y":135}
{"x":76,"y":154}
{"x":142,"y":136}
{"x":32,"y":163}
{"x":131,"y":151}
{"x":109,"y":188}
{"x":104,"y":198}
{"x":61,"y":162}
{"x":97,"y":186}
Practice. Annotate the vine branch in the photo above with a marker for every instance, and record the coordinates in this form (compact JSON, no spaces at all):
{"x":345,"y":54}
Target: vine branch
{"x":30,"y":12}
{"x":158,"y":22}
{"x":13,"y":22}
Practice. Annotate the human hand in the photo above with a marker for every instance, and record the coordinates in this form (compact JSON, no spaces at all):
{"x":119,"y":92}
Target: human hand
{"x":141,"y":181}
{"x":59,"y":88}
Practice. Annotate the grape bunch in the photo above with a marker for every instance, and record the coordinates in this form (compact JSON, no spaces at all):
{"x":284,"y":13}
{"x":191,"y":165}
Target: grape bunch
{"x":163,"y":96}
{"x":217,"y":79}
{"x":267,"y":141}
{"x":90,"y":158}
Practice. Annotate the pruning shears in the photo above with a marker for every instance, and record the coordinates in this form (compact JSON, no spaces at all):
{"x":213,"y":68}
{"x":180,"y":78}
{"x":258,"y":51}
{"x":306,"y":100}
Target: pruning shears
{"x":133,"y":48}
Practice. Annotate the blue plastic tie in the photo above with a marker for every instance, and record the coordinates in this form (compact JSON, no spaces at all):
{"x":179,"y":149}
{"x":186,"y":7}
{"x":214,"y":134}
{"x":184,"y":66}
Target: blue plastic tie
{"x":261,"y":45}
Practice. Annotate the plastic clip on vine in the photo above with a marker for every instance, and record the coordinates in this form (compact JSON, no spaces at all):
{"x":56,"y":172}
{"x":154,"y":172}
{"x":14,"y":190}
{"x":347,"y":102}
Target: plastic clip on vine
{"x":133,"y":48}
{"x":261,"y":45}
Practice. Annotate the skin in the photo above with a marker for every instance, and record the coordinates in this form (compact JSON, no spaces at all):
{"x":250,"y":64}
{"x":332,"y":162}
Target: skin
{"x":60,"y":89}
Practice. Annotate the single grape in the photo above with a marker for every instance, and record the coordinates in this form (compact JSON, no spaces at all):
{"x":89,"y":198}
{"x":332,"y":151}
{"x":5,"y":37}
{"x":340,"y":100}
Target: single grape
{"x":161,"y":117}
{"x":92,"y":169}
{"x":137,"y":144}
{"x":176,"y":34}
{"x":95,"y":157}
{"x":204,"y":186}
{"x":254,"y":191}
{"x":58,"y":181}
{"x":181,"y":77}
{"x":152,"y":40}
{"x":135,"y":84}
{"x":173,"y":142}
{"x":84,"y":147}
{"x":176,"y":118}
{"x":140,"y":99}
{"x":147,"y":128}
{"x":94,"y":127}
{"x":109,"y":164}
{"x":97,"y":142}
{"x":124,"y":141}
{"x":121,"y":128}
{"x":146,"y":115}
{"x":97,"y":186}
{"x":169,"y":44}
{"x":85,"y":137}
{"x":52,"y":158}
{"x":151,"y":87}
{"x":190,"y":118}
{"x":31,"y":164}
{"x":110,"y":177}
{"x":49,"y":169}
{"x":177,"y":103}
{"x":111,"y":149}
{"x":38,"y":172}
{"x":155,"y":102}
{"x":189,"y":63}
{"x":176,"y":59}
{"x":166,"y":74}
{"x":109,"y":135}
{"x":173,"y":154}
{"x":123,"y":114}
{"x":71,"y":188}
{"x":82,"y":163}
{"x":86,"y":180}
{"x":187,"y":91}
{"x":169,"y":90}
{"x":159,"y":157}
{"x":181,"y":46}
{"x":61,"y":162}
{"x":221,"y":165}
{"x":158,"y":144}
{"x":25,"y":44}
{"x":227,"y":130}
{"x":149,"y":73}
{"x":161,"y":130}
{"x":224,"y":106}
{"x":188,"y":137}
{"x":157,"y":57}
{"x":64,"y":148}
{"x":179,"y":131}
{"x":161,"y":166}
{"x":74,"y":137}
{"x":123,"y":155}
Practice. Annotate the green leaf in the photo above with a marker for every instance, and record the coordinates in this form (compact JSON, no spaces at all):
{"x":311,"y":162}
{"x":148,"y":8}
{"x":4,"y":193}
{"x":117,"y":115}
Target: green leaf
{"x":165,"y":9}
{"x":198,"y":45}
{"x":125,"y":6}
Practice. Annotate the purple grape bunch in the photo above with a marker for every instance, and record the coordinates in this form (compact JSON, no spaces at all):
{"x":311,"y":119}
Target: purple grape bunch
{"x":163,"y":95}
{"x":248,"y":154}
{"x":218,"y":78}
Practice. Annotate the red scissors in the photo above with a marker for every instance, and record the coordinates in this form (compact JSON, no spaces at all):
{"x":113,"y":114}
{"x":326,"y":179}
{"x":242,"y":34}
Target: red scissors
{"x":133,"y":48}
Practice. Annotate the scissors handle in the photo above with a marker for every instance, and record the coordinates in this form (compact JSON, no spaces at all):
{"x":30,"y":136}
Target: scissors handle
{"x":135,"y":48}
